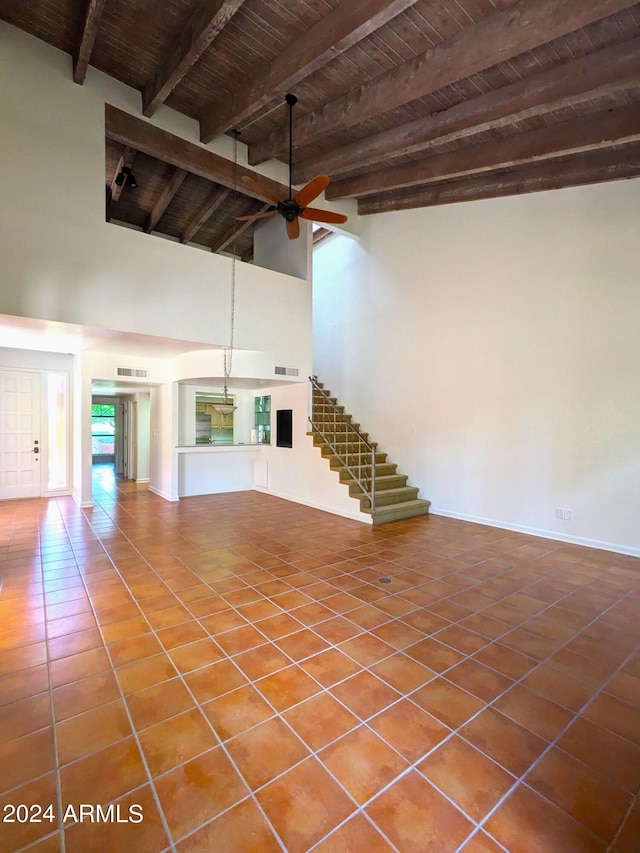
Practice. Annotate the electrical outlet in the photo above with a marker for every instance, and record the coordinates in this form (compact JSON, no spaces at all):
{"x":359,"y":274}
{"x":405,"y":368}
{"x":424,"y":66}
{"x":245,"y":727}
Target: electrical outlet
{"x":559,"y":512}
{"x":564,"y":514}
{"x":568,"y":515}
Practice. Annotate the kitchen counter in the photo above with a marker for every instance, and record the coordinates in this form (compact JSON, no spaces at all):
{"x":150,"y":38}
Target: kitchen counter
{"x":209,"y":469}
{"x":187,"y":448}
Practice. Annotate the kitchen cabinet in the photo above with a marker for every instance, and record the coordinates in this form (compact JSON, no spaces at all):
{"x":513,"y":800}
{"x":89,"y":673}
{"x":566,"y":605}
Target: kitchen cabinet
{"x":218,"y":421}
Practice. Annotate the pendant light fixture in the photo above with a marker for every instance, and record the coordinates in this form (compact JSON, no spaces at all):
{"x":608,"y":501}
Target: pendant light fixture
{"x":227,"y":406}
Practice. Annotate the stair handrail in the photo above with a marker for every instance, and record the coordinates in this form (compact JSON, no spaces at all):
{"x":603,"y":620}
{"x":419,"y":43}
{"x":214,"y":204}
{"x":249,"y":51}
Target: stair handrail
{"x":370,"y":454}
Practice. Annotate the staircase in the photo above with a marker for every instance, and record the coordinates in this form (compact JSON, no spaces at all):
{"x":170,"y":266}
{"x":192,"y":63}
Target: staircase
{"x":375,"y":482}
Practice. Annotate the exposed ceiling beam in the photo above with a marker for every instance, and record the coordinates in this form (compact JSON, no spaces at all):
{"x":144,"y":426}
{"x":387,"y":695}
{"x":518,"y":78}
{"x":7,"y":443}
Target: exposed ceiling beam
{"x":566,"y":85}
{"x":493,"y":39}
{"x":216,"y":198}
{"x":319,"y":234}
{"x":590,"y":168}
{"x":587,"y":133}
{"x":165,"y":199}
{"x":125,"y":161}
{"x":204,"y":25}
{"x":149,"y":139}
{"x":341,"y":28}
{"x":87,"y":39}
{"x":237,"y":230}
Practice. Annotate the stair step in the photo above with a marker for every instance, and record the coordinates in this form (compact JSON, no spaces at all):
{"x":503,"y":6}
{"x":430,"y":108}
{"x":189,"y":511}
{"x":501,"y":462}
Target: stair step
{"x":390,"y":481}
{"x":326,"y":402}
{"x":395,"y":500}
{"x":344,"y":442}
{"x":329,"y":425}
{"x":383,"y":469}
{"x":381,"y":457}
{"x":396,"y":512}
{"x":387,"y":497}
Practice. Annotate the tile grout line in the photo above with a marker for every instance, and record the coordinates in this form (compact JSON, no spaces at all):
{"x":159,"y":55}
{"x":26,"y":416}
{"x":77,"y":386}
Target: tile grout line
{"x":206,"y":720}
{"x":552,"y":744}
{"x":303,"y":626}
{"x":128,"y":713}
{"x":54,"y":731}
{"x":313,"y":753}
{"x":400,"y":699}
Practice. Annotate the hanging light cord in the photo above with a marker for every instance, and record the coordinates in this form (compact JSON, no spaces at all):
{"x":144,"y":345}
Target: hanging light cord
{"x":259,"y":117}
{"x":228,"y":352}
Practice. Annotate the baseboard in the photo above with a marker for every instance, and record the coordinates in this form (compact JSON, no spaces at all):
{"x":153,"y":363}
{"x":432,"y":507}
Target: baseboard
{"x":164,"y":495}
{"x":143,"y":480}
{"x":543,"y":534}
{"x":355,"y":516}
{"x":81,"y":504}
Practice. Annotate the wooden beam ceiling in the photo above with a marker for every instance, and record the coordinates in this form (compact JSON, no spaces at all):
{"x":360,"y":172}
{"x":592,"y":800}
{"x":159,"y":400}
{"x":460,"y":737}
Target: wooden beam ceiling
{"x":587,"y":133}
{"x":87,"y":39}
{"x":205,"y":24}
{"x":341,"y":28}
{"x":165,"y":198}
{"x":320,"y":234}
{"x":493,"y":39}
{"x":236,"y":230}
{"x":588,"y":168}
{"x":597,"y":75}
{"x":216,"y":198}
{"x":149,"y":139}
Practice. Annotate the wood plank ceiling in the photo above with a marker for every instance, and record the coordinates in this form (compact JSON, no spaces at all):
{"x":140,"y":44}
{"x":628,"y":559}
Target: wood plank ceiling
{"x":404,"y":103}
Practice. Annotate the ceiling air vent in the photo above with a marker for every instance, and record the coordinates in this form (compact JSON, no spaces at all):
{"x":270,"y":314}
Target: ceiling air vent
{"x":139,"y":373}
{"x":287,"y":371}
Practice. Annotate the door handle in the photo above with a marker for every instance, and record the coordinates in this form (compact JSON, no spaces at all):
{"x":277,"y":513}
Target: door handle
{"x":36,"y":450}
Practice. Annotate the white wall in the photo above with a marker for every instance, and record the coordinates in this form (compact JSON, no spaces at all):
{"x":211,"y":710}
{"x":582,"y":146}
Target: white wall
{"x":143,"y":436}
{"x":62,"y":261}
{"x":163,"y":462}
{"x":300,"y":473}
{"x":273,"y":249}
{"x":492,"y":349}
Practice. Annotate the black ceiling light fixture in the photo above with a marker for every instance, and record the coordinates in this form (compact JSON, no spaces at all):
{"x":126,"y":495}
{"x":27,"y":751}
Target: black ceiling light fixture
{"x":294,"y":207}
{"x":126,"y":176}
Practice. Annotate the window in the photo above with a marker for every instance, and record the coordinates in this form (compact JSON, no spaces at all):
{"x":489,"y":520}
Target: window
{"x":103,"y":429}
{"x":57,"y":457}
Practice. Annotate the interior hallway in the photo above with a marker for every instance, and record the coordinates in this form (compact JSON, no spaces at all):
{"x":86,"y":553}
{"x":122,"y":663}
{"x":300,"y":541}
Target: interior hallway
{"x":234,"y":665}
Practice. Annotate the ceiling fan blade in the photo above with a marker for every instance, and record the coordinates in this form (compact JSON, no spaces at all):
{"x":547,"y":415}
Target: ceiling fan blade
{"x":253,"y":216}
{"x":311,"y":190}
{"x":317,"y":215}
{"x":293,"y":229}
{"x":259,"y":189}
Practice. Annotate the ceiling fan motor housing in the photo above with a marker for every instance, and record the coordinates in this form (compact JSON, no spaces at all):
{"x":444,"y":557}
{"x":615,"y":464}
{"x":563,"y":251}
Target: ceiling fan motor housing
{"x":289,"y":209}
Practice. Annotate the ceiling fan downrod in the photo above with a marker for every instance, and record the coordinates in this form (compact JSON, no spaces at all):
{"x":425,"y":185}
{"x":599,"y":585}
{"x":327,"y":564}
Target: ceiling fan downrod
{"x":291,"y":101}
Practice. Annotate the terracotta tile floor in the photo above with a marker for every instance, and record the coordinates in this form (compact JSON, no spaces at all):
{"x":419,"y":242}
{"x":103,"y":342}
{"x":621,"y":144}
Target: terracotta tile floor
{"x":232,"y":666}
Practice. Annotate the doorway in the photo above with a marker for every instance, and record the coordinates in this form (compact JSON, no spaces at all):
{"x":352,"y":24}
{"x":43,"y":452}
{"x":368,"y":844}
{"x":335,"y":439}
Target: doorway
{"x":103,"y":431}
{"x":20,"y":440}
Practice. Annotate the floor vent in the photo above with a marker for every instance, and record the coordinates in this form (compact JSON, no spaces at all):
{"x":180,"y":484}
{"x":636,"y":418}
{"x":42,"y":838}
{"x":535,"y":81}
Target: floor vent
{"x":138,"y":372}
{"x":287,"y":371}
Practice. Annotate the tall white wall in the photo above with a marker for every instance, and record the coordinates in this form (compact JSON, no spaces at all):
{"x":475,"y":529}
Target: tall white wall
{"x":62,"y":261}
{"x":492,"y":349}
{"x":143,"y":436}
{"x":300,"y":473}
{"x":163,"y":463}
{"x":274,"y":250}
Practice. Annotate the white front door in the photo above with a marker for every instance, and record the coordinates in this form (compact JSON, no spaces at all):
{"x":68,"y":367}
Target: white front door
{"x":20,"y":440}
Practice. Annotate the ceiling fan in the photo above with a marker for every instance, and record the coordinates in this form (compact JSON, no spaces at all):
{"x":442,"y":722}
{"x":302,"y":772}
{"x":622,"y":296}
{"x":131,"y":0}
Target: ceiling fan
{"x":295,"y":207}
